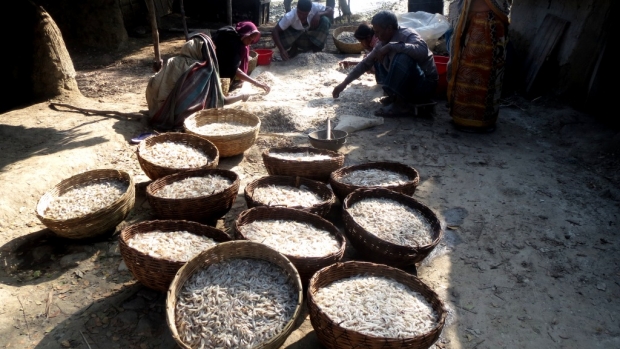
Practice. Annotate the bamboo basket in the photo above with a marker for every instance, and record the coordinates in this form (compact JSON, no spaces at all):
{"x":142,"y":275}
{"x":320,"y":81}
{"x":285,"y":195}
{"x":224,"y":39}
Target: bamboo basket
{"x":91,"y":224}
{"x":321,"y":189}
{"x":333,"y":336}
{"x":318,"y":170}
{"x":227,"y":251}
{"x":375,"y":249}
{"x":345,"y":47}
{"x":342,"y":189}
{"x":205,"y":209}
{"x":155,"y":171}
{"x":306,"y":266}
{"x":228,"y":145}
{"x":155,"y":272}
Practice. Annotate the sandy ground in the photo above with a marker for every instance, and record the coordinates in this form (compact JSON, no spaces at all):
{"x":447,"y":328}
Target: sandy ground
{"x":530,"y":211}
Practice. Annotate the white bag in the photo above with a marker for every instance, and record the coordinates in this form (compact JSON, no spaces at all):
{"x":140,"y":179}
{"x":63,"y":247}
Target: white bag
{"x":352,"y":123}
{"x":430,"y":26}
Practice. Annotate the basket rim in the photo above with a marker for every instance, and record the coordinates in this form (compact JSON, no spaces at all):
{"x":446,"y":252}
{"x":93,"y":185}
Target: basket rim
{"x":366,"y":193}
{"x":40,"y":208}
{"x":343,"y":171}
{"x":312,"y":217}
{"x":144,"y":145}
{"x":123,"y":237}
{"x":256,"y":123}
{"x":170,"y":306}
{"x":285,"y":180}
{"x":351,"y":265}
{"x":350,"y":48}
{"x":166,"y":180}
{"x":334,"y":155}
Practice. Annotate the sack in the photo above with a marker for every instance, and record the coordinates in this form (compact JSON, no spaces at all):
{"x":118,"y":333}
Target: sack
{"x":430,"y":26}
{"x":352,"y":123}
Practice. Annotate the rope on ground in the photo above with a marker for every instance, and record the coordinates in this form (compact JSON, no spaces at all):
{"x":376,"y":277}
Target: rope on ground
{"x":56,"y":106}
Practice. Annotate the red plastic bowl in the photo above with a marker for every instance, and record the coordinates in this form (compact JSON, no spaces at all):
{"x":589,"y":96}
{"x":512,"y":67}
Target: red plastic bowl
{"x":264,"y":56}
{"x":441,"y":62}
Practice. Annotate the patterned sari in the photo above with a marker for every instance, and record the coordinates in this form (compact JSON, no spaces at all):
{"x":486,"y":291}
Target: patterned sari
{"x":476,"y":67}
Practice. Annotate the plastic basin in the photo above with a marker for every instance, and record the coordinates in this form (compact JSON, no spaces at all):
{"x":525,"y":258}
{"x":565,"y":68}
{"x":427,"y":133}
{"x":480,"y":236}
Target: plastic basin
{"x":318,"y":139}
{"x":264,"y":56}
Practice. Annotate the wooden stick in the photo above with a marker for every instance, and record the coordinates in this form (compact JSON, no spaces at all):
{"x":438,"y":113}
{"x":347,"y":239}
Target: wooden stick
{"x":26,"y":320}
{"x":85,"y":341}
{"x":48,"y":306}
{"x":184,"y":21}
{"x":157,"y":63}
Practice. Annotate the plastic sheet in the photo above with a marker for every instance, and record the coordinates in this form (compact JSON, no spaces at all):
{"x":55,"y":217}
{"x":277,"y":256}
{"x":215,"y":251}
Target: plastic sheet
{"x":430,"y":26}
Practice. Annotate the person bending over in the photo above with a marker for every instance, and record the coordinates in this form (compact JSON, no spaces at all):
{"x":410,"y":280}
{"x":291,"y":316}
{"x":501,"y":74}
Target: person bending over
{"x":304,"y":28}
{"x":404,"y":67}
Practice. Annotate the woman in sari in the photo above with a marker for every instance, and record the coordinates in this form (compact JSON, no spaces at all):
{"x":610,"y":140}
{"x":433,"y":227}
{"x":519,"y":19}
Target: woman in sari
{"x":477,"y":60}
{"x":232,"y":46}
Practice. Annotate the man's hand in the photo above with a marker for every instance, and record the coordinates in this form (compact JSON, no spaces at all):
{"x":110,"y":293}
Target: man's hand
{"x":266,"y":88}
{"x":337,"y":90}
{"x":383,"y":51}
{"x":284,"y":55}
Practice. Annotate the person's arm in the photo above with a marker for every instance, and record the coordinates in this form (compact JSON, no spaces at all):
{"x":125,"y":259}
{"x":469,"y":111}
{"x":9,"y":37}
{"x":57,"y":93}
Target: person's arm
{"x":275,"y":35}
{"x":414,"y":47}
{"x":314,"y":23}
{"x":359,"y":69}
{"x":235,"y":99}
{"x":245,"y":77}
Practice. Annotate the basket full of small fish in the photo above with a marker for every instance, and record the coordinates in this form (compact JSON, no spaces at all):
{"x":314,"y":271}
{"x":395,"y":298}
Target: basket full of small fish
{"x":307,"y":240}
{"x":238,"y":294}
{"x":155,"y":250}
{"x":345,"y":40}
{"x":307,"y":162}
{"x":368,"y":306}
{"x":389,"y":227}
{"x":195,"y":195}
{"x":292,"y":192}
{"x":390,"y":175}
{"x":168,"y":153}
{"x":87,"y":204}
{"x":233,"y":131}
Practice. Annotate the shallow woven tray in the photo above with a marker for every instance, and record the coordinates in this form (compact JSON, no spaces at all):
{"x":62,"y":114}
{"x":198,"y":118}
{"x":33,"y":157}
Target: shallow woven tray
{"x":378,"y":250}
{"x":306,"y":266}
{"x":318,"y":170}
{"x":342,"y":190}
{"x":332,"y":336}
{"x":346,"y":47}
{"x":155,"y":171}
{"x":207,"y":209}
{"x":154,"y":272}
{"x":322,"y":209}
{"x":94,"y":223}
{"x":226,"y":251}
{"x":229,"y":145}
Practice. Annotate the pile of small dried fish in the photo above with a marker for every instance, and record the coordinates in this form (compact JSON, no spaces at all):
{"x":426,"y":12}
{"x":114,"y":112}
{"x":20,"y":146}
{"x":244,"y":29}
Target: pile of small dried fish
{"x":291,"y":237}
{"x":219,"y":128}
{"x":307,"y":156}
{"x":347,"y":38}
{"x":193,"y":187}
{"x":377,"y":306}
{"x":175,"y":155}
{"x":286,"y":195}
{"x":374,"y":177}
{"x":86,"y":198}
{"x":178,"y":246}
{"x":238,"y":303}
{"x":392,"y":221}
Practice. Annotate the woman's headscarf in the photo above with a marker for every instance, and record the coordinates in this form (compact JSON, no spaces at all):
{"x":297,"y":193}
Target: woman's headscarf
{"x":245,"y":29}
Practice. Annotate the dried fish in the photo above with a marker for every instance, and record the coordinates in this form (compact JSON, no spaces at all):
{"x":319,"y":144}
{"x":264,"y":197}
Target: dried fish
{"x":193,"y":187}
{"x":237,"y":303}
{"x":291,"y":237}
{"x":175,"y":155}
{"x":377,"y":306}
{"x":178,"y":246}
{"x":299,"y":156}
{"x":86,"y":198}
{"x":286,"y":195}
{"x":374,"y":177}
{"x":392,"y":221}
{"x":218,"y":128}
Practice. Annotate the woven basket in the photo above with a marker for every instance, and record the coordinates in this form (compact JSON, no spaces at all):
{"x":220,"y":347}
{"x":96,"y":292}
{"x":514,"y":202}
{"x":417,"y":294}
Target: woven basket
{"x":229,"y":145}
{"x":306,"y":266}
{"x":252,"y":62}
{"x":378,"y":250}
{"x":155,"y":171}
{"x":225,"y":82}
{"x":227,"y":251}
{"x":319,"y":188}
{"x":94,"y":223}
{"x":154,"y":272}
{"x":342,"y":190}
{"x":332,"y":336}
{"x":207,"y":209}
{"x":346,"y":47}
{"x":318,"y":170}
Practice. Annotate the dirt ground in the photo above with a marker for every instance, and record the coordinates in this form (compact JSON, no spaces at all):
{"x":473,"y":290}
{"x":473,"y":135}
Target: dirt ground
{"x":530,"y":211}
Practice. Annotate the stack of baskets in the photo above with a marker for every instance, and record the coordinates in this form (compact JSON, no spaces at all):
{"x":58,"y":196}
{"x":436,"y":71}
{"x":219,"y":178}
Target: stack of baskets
{"x":345,"y":47}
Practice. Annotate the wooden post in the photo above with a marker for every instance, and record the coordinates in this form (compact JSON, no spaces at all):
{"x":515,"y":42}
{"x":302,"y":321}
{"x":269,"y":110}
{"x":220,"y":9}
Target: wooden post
{"x":229,"y":12}
{"x":184,"y":21}
{"x":157,"y":63}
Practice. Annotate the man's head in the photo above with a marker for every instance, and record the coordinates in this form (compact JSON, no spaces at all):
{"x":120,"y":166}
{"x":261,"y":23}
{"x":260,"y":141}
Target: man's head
{"x":303,"y":9}
{"x":385,"y":24}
